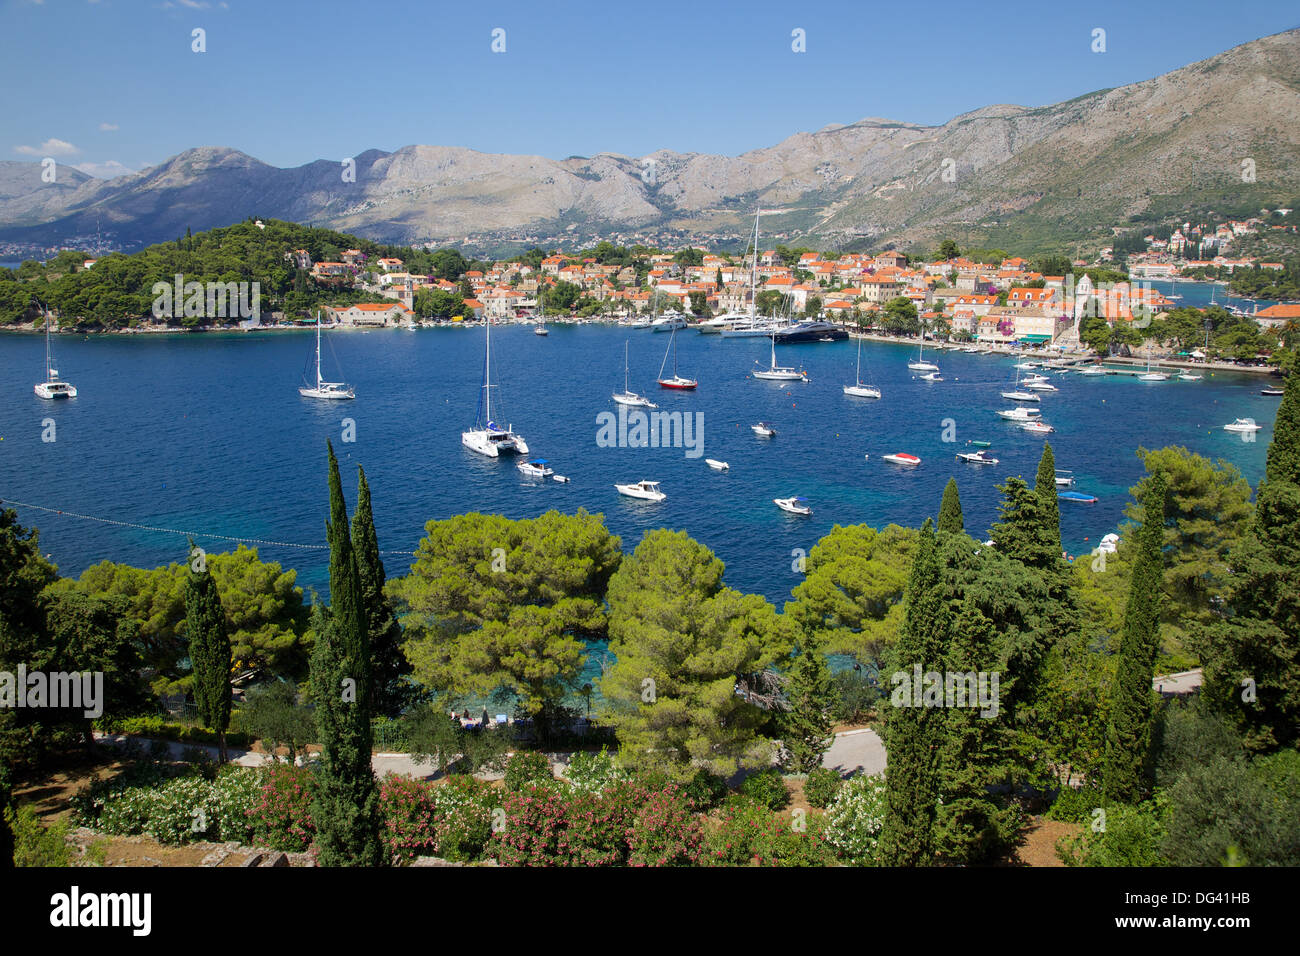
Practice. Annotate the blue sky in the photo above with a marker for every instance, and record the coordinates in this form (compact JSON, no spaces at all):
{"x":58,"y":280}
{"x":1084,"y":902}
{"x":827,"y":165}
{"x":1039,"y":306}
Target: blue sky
{"x":110,"y":84}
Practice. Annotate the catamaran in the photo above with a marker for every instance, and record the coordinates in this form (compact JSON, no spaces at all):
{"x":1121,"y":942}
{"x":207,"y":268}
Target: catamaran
{"x":322,"y":388}
{"x":53,"y":386}
{"x":779,"y":373}
{"x":486,"y":437}
{"x":677,"y":381}
{"x":627,"y":396}
{"x":857,"y":389}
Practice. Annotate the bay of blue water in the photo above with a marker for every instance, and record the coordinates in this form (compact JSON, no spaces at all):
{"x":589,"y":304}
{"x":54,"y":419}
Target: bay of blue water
{"x":207,"y":434}
{"x":1199,"y":295}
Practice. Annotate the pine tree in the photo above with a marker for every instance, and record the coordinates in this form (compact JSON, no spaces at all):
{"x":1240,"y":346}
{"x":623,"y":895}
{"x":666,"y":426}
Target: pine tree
{"x":209,"y":644}
{"x":1126,"y":762}
{"x":806,"y":727}
{"x":346,"y":807}
{"x":914,"y":734}
{"x":1022,"y":530}
{"x":950,"y":516}
{"x":389,"y":666}
{"x":1252,"y":658}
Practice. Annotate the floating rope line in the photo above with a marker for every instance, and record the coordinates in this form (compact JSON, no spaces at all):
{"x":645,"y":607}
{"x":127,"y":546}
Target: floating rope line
{"x":191,"y":534}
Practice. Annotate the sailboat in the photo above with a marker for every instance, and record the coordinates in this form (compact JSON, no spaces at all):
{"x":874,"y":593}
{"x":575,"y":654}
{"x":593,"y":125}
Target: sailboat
{"x":779,"y":373}
{"x":322,"y":388}
{"x":751,"y":326}
{"x":1150,"y":376}
{"x":53,"y":387}
{"x":486,"y":437}
{"x":1019,"y":394}
{"x":921,"y":365}
{"x":627,"y":396}
{"x":676,"y":381}
{"x":857,"y":389}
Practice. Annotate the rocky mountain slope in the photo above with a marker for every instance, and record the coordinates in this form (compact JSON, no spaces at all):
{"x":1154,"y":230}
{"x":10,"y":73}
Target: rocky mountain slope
{"x":1071,"y":170}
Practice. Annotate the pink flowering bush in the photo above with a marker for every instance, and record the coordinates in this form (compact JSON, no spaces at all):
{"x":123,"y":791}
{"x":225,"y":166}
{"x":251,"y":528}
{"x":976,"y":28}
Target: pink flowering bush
{"x":533,"y":821}
{"x":598,"y":824}
{"x":406,"y":811}
{"x":666,"y":831}
{"x":281,"y":815}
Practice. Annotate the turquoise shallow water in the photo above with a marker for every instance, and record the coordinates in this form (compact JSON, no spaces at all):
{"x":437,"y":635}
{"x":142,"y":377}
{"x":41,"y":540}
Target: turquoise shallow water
{"x":207,"y":433}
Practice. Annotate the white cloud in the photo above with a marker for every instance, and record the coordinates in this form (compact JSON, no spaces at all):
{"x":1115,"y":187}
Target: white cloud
{"x":51,"y":147}
{"x":107,"y":127}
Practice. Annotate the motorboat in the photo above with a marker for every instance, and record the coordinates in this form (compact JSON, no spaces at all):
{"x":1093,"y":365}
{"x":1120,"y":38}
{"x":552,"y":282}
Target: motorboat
{"x":1189,"y":377}
{"x":977,"y":457}
{"x":627,"y":396}
{"x":1109,"y":543}
{"x":811,"y":330}
{"x":932,"y":377}
{"x":763,"y":430}
{"x":1064,"y":479}
{"x":902,"y":458}
{"x":1243,"y":425}
{"x":486,"y":437}
{"x":322,"y":388}
{"x":980,"y":444}
{"x":670,"y":322}
{"x":560,"y":478}
{"x":645,"y":490}
{"x":1026,"y":366}
{"x":1041,"y":386}
{"x":536,"y":468}
{"x":1019,"y":414}
{"x":1271,"y":391}
{"x":857,"y":389}
{"x":795,"y":505}
{"x":717,"y":465}
{"x":53,"y":387}
{"x":1077,"y":496}
{"x":1093,"y":370}
{"x":1037,"y":427}
{"x":778,"y":373}
{"x":675,"y":381}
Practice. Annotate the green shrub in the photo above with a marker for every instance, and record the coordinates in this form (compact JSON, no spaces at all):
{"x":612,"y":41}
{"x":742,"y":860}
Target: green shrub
{"x":181,"y":811}
{"x":1187,"y":738}
{"x":235,"y":792}
{"x":526,"y":767}
{"x":705,"y":790}
{"x":767,"y":787}
{"x":1125,"y":836}
{"x":793,"y":839}
{"x":1075,"y":804}
{"x":598,"y":823}
{"x":1225,"y":809}
{"x":35,"y":844}
{"x":854,"y":696}
{"x":855,"y":817}
{"x":821,"y":786}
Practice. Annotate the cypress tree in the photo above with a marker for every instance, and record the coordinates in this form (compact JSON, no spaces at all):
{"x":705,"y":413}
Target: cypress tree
{"x":806,"y":727}
{"x":1046,"y":488}
{"x":205,"y":626}
{"x":346,"y":807}
{"x":914,"y":734}
{"x":950,"y":516}
{"x":1252,"y":657}
{"x":1126,"y":761}
{"x":389,"y":666}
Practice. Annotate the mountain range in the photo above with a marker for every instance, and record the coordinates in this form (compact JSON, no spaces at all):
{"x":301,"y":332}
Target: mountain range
{"x":1053,"y":176}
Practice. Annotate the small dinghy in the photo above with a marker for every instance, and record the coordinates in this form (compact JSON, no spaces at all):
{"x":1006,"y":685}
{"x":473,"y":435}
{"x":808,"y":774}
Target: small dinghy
{"x":559,"y":478}
{"x":1077,"y":496}
{"x":716,"y":465}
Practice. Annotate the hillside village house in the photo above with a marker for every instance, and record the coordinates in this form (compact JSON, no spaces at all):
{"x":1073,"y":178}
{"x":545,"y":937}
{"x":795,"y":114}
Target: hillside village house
{"x":1276,"y":316}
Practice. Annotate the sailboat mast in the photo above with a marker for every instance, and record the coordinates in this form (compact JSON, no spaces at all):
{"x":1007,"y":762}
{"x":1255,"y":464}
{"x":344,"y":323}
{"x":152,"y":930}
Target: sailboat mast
{"x":487,"y":370}
{"x":318,"y":376}
{"x":753,"y":274}
{"x":47,"y":346}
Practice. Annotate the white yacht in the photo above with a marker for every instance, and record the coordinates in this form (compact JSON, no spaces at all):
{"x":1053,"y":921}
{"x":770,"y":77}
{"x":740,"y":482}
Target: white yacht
{"x":536,"y":468}
{"x":322,"y":388}
{"x":1064,"y":479}
{"x":487,"y":437}
{"x":932,"y":377}
{"x":1018,"y":394}
{"x":53,"y":386}
{"x":1189,"y":377}
{"x":794,"y":505}
{"x":857,"y":389}
{"x":1243,"y":425}
{"x":1093,"y":370}
{"x":1037,"y":427}
{"x":1150,"y":376}
{"x":1020,"y":414}
{"x":902,"y":458}
{"x":627,"y":396}
{"x":646,"y":490}
{"x":668,"y":323}
{"x":980,"y":457}
{"x":763,"y":429}
{"x":1041,"y":386}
